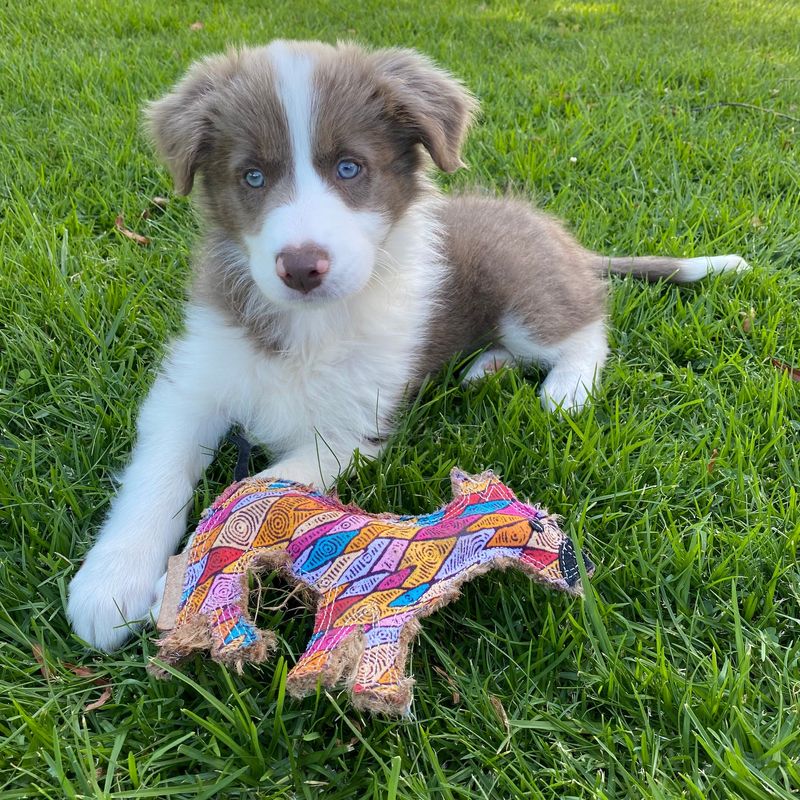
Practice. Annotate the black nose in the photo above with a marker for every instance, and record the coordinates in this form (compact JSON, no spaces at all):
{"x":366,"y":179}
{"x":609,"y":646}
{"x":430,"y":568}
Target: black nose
{"x":302,"y":268}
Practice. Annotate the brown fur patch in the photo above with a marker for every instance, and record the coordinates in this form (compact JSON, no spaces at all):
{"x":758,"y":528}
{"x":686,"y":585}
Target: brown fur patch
{"x":377,"y":108}
{"x":354,"y":120}
{"x":222,"y":280}
{"x":649,"y":268}
{"x":427,"y":102}
{"x":221,"y":119}
{"x":505,"y":256}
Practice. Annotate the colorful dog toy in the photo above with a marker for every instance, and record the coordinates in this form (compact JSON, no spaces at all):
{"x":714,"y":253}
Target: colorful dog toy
{"x":373,"y":576}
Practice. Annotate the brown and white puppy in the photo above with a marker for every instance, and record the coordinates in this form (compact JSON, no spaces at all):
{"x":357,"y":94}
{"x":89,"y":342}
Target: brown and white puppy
{"x":330,"y":278}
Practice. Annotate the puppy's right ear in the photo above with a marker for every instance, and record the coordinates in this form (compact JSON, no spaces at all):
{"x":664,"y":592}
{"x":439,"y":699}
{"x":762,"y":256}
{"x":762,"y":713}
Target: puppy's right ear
{"x":429,"y":102}
{"x":180,"y":123}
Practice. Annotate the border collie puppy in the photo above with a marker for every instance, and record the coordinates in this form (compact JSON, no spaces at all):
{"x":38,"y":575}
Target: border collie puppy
{"x":331,"y":277}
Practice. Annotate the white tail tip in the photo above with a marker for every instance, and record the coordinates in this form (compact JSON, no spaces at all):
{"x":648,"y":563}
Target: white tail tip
{"x":693,"y":269}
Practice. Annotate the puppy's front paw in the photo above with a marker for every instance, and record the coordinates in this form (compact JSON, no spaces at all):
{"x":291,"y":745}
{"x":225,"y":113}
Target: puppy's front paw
{"x":565,"y":390}
{"x":111,"y":595}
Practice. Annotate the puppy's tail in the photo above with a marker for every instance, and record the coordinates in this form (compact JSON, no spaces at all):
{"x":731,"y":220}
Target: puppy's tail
{"x":677,"y":270}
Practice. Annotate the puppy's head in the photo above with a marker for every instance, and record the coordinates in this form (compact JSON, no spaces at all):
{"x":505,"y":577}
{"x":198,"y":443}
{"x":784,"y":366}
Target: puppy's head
{"x":308,"y":154}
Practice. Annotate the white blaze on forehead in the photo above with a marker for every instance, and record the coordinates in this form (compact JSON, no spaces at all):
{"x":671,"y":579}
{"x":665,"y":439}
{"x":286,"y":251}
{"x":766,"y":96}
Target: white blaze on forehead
{"x":315,"y":213}
{"x":295,"y":73}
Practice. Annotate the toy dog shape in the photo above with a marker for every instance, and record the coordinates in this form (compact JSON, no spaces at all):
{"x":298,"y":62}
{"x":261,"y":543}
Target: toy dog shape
{"x":374,"y":576}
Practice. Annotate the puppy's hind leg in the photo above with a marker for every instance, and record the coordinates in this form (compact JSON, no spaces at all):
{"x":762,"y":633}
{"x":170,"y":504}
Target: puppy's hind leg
{"x":487,"y":363}
{"x":574,"y":363}
{"x":576,"y":370}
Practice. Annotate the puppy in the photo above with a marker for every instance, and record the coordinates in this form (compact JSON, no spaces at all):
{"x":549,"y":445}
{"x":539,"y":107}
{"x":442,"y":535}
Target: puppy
{"x":330,"y":279}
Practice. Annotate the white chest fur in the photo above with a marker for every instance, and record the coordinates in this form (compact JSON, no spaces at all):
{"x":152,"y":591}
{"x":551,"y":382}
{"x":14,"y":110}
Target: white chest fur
{"x":346,"y":364}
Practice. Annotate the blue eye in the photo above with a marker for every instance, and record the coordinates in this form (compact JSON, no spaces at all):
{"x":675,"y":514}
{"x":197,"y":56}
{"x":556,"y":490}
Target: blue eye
{"x":347,"y":169}
{"x":254,"y":178}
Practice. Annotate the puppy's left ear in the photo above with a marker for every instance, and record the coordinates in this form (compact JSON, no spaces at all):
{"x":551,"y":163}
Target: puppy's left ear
{"x":434,"y":105}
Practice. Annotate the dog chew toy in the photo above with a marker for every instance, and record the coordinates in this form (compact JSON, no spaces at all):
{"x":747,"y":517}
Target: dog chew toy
{"x":373,"y":577}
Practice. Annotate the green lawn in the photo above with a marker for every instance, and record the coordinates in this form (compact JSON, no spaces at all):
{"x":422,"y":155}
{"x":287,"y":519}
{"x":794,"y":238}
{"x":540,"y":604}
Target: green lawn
{"x":679,"y":675}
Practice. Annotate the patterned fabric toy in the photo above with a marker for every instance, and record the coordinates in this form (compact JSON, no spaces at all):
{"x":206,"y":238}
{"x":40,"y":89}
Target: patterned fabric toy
{"x":373,"y":576}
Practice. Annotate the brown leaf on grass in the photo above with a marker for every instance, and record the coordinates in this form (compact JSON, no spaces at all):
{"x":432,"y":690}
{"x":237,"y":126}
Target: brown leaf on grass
{"x":749,"y":319}
{"x":451,"y":683}
{"x":794,"y":372}
{"x":497,"y":706}
{"x":38,"y":656}
{"x":105,"y":696}
{"x":84,"y":672}
{"x":712,"y":461}
{"x":119,"y":224}
{"x":159,"y":202}
{"x":196,"y":26}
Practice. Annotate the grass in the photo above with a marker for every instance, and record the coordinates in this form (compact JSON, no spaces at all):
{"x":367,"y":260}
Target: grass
{"x":679,"y":675}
